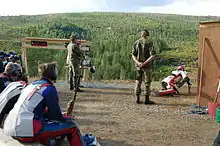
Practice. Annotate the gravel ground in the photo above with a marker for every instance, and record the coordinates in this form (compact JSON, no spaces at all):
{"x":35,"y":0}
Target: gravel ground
{"x":116,"y":120}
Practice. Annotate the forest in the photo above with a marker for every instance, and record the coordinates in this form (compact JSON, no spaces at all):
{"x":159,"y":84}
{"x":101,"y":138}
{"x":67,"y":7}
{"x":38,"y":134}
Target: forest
{"x":111,"y":35}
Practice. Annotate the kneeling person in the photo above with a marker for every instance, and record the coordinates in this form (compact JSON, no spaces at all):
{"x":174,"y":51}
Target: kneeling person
{"x":169,"y":82}
{"x":37,"y":117}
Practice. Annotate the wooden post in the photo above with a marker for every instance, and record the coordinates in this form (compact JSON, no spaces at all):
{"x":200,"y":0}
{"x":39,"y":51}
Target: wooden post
{"x":86,"y":75}
{"x":24,"y":59}
{"x":53,"y":43}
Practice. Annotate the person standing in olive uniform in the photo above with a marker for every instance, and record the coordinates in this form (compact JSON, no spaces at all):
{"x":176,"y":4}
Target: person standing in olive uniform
{"x":141,"y":51}
{"x":73,"y":60}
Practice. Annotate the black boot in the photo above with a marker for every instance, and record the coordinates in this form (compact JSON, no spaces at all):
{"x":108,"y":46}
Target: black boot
{"x":71,"y":87}
{"x":138,"y":99}
{"x":71,"y":83}
{"x":148,"y":101}
{"x":78,"y":90}
{"x":76,"y":85}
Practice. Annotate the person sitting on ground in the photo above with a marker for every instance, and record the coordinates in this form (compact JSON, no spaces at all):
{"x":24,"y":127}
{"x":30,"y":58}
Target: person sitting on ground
{"x":12,"y":73}
{"x":17,"y":59}
{"x":169,"y":82}
{"x":11,"y":86}
{"x":37,"y":117}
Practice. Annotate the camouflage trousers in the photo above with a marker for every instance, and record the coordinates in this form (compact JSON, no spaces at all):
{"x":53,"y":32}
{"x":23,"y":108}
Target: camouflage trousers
{"x":74,"y":72}
{"x":141,"y":74}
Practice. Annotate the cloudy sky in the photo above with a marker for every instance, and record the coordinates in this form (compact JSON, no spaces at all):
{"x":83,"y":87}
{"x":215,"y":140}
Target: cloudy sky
{"x":187,"y":7}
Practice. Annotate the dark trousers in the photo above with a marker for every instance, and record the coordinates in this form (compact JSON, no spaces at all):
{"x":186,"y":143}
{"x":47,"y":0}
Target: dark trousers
{"x":217,"y":140}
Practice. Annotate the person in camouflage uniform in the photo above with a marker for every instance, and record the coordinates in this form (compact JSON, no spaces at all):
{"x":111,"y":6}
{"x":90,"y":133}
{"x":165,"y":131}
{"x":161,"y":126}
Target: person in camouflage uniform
{"x":141,"y":51}
{"x":73,"y":60}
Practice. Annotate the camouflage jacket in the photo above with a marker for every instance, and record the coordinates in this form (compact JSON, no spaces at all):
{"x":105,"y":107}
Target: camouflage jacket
{"x":142,"y":49}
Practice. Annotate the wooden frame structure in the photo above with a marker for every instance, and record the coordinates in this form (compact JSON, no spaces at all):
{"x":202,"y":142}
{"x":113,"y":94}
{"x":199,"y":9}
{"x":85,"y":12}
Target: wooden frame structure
{"x":209,"y":61}
{"x":49,"y":43}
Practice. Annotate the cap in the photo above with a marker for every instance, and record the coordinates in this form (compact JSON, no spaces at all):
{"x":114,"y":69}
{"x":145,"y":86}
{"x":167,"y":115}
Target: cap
{"x":12,"y":53}
{"x":7,"y":55}
{"x":145,"y":32}
{"x":181,"y":68}
{"x":73,"y":36}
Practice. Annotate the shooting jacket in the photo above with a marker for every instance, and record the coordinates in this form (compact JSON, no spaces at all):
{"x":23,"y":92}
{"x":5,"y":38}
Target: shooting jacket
{"x":38,"y":102}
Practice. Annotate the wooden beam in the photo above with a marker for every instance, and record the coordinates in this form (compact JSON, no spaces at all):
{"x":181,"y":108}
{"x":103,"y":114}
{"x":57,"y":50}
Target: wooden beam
{"x":209,"y":22}
{"x":28,"y":46}
{"x":52,"y":40}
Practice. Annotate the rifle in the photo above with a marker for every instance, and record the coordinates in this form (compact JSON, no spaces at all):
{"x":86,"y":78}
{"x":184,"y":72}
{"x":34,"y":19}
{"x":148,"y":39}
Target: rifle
{"x":71,"y":103}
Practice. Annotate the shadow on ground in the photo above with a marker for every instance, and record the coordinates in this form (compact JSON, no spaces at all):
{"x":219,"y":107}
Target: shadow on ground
{"x":186,"y":94}
{"x":108,"y":92}
{"x":174,"y":104}
{"x":64,"y":103}
{"x":96,"y":122}
{"x":77,"y":113}
{"x":104,"y":142}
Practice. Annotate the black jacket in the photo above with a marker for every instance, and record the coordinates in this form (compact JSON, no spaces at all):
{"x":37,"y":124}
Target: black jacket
{"x":4,"y":81}
{"x":2,"y":67}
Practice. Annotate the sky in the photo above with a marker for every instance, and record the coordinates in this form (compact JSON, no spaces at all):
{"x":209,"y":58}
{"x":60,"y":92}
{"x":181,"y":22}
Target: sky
{"x":184,"y":7}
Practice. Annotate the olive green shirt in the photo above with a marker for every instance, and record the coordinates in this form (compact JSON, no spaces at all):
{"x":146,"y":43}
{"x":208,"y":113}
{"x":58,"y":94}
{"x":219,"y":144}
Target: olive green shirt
{"x":74,"y":53}
{"x":142,"y":49}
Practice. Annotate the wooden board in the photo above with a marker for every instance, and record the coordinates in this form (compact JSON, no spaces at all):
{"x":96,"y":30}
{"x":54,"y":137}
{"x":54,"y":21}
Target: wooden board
{"x":211,"y":62}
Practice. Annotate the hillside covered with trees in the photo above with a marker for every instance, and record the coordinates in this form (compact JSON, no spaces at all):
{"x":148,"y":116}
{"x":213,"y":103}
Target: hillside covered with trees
{"x":111,"y":36}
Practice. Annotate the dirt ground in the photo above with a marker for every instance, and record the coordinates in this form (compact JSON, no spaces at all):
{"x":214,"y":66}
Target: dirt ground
{"x":116,"y":120}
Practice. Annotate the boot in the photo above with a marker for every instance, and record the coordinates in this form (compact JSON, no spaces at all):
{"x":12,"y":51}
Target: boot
{"x":71,"y":83}
{"x":71,"y":87}
{"x":148,"y":101}
{"x":76,"y":85}
{"x":78,"y":90}
{"x":138,"y":99}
